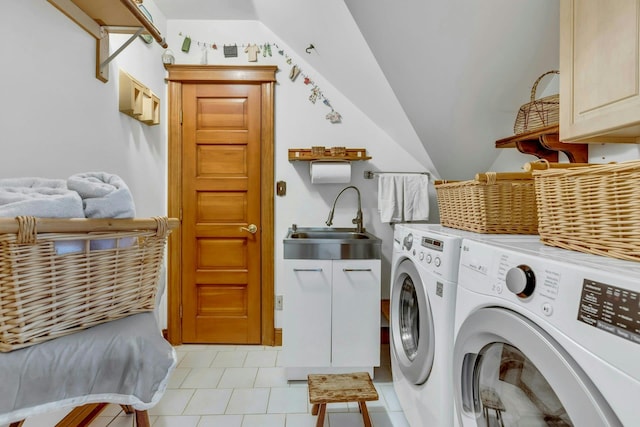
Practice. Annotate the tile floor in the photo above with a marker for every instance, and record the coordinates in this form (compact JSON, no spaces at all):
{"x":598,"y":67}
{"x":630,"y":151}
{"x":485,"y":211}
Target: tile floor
{"x":244,"y":386}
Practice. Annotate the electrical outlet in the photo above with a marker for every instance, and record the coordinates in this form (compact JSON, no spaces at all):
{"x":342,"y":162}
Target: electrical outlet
{"x":278,"y":302}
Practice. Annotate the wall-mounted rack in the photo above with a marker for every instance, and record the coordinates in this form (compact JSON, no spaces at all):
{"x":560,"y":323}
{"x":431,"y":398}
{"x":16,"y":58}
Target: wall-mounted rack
{"x":102,"y":17}
{"x":307,"y":154}
{"x":372,"y":174}
{"x":137,"y":100}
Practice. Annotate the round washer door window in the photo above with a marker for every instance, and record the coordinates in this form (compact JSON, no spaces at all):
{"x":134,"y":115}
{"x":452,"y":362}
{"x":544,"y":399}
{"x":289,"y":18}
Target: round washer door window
{"x":411,"y":324}
{"x":509,"y":371}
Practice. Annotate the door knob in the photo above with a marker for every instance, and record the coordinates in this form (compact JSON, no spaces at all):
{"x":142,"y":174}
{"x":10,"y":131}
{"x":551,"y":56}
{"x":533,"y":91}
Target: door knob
{"x":252,"y":228}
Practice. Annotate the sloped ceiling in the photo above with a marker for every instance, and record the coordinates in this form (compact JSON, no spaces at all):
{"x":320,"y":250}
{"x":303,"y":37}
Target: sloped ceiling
{"x":444,"y":78}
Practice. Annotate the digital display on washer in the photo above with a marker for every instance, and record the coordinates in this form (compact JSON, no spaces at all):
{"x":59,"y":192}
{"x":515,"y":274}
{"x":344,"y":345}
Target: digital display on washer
{"x":610,"y":308}
{"x":428,"y":242}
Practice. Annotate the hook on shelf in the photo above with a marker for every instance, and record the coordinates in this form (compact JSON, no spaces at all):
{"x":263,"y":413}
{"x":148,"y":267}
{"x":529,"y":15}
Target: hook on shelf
{"x":308,"y":49}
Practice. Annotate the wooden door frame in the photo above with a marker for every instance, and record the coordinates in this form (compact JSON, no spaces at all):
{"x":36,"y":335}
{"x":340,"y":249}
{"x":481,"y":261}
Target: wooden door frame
{"x":265,"y":76}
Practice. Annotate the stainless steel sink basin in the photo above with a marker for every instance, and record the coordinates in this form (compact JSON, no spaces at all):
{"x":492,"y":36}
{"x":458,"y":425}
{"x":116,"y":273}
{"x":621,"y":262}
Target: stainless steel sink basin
{"x":328,"y":234}
{"x":330,"y":243}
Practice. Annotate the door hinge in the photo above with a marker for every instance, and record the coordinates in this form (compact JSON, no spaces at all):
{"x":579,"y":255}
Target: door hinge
{"x":180,"y":214}
{"x":181,"y":311}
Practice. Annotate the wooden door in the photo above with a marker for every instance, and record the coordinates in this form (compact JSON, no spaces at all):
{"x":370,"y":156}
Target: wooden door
{"x":221,"y":213}
{"x":220,"y":278}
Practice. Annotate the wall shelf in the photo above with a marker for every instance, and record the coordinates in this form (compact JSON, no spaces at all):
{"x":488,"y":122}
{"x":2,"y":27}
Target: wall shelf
{"x":545,"y":144}
{"x":306,"y":154}
{"x":102,"y":17}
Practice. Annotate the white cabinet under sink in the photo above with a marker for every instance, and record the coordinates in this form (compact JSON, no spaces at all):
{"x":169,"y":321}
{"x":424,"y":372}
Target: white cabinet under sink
{"x":331,"y":316}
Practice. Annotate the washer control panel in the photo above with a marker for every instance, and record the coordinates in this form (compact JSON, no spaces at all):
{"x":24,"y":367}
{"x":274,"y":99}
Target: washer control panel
{"x":437,"y":253}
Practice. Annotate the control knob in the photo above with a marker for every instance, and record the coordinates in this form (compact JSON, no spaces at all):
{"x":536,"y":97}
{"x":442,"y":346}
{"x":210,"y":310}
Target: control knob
{"x":408,"y":241}
{"x":521,"y":281}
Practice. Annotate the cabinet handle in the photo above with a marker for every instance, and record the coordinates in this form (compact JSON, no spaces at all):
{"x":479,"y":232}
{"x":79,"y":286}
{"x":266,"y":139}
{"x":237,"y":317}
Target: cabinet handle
{"x":347,"y":270}
{"x":307,"y":269}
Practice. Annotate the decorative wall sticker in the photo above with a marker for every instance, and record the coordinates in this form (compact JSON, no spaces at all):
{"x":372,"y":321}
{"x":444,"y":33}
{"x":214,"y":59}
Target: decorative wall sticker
{"x":186,"y":44}
{"x":253,"y":50}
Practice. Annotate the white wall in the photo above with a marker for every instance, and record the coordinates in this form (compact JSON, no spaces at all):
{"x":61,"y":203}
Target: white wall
{"x":302,"y":124}
{"x":58,"y":119}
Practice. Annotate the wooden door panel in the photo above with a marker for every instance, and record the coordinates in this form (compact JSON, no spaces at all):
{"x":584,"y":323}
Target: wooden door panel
{"x":219,"y":159}
{"x":221,"y":195}
{"x":222,"y":207}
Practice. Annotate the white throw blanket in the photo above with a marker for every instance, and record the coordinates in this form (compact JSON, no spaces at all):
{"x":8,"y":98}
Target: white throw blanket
{"x":104,"y":195}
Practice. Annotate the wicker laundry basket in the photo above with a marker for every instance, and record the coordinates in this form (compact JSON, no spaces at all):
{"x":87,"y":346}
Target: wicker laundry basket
{"x":493,"y":203}
{"x":593,"y":209}
{"x":538,"y":113}
{"x":58,"y":276}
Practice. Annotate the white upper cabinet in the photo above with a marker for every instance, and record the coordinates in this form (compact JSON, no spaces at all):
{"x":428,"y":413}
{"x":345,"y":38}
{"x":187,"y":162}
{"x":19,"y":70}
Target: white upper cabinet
{"x":599,"y":71}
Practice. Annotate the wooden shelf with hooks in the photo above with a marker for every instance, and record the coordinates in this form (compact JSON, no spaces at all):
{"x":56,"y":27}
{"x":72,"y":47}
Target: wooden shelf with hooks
{"x":545,"y":144}
{"x":306,"y":154}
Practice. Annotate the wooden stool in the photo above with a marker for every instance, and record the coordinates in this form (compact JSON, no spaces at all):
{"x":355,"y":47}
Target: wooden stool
{"x":335,"y":388}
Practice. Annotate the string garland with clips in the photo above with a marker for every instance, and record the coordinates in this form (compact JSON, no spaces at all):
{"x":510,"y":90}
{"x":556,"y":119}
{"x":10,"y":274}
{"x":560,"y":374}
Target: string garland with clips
{"x":267,"y":49}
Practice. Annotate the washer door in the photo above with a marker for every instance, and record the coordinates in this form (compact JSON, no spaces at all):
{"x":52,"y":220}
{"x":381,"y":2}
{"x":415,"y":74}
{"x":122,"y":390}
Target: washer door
{"x":508,"y":371}
{"x":411,"y":321}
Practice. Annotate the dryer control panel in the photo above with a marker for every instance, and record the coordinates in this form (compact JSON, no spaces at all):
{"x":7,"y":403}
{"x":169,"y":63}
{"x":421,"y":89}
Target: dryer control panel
{"x":610,"y":308}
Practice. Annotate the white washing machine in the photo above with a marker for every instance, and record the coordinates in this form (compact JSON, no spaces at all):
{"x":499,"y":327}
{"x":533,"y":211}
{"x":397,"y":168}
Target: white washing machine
{"x":423,"y":287}
{"x":545,"y":336}
{"x":422,"y":309}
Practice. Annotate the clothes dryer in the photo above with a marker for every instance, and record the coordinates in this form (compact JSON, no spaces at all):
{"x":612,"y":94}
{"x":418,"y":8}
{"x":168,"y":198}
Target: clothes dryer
{"x":545,"y":336}
{"x":422,"y":310}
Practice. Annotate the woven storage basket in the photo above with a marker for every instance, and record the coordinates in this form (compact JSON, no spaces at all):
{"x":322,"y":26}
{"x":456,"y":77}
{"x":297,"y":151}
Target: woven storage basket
{"x":493,"y":203}
{"x":538,"y":113}
{"x":45,"y":293}
{"x":593,"y":209}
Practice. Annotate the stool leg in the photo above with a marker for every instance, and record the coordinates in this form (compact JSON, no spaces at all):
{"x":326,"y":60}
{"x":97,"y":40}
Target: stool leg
{"x":128,"y":409}
{"x":365,"y":413}
{"x":323,"y":409}
{"x":16,"y":424}
{"x":314,"y":409}
{"x":142,"y":419}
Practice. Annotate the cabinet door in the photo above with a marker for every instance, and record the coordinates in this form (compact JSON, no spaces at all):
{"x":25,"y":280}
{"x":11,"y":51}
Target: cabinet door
{"x":306,"y":330}
{"x":599,"y":70}
{"x":356,"y":313}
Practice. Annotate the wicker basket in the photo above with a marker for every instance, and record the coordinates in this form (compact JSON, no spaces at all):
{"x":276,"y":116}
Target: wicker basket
{"x":52,"y":282}
{"x":593,"y":209}
{"x":493,"y":203}
{"x":538,"y":113}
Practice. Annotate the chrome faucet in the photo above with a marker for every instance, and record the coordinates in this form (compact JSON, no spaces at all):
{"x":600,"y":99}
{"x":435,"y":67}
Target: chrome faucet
{"x":357,"y":220}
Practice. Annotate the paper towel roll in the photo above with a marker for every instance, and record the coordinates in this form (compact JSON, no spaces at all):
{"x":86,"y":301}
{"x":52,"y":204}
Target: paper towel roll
{"x":328,"y":172}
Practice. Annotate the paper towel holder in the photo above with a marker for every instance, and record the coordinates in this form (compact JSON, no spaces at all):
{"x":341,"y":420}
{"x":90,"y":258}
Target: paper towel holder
{"x":330,"y":180}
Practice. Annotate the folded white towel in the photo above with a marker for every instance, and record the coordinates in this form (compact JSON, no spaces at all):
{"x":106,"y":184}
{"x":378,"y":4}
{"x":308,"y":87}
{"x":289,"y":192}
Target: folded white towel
{"x":33,"y":182}
{"x":403,"y":197}
{"x":416,"y":197}
{"x":41,"y":202}
{"x":104,"y":195}
{"x":390,"y":197}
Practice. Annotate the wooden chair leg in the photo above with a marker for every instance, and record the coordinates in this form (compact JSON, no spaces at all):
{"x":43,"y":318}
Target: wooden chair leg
{"x":314,"y":409}
{"x":321,"y":412}
{"x":128,"y":409}
{"x":16,"y":424}
{"x":142,"y":419}
{"x":365,"y":414}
